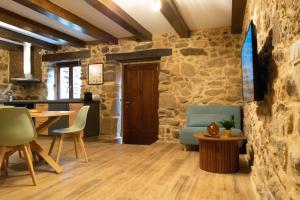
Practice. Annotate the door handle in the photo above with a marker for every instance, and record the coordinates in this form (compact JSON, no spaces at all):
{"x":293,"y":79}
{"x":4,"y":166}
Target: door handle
{"x":127,"y":102}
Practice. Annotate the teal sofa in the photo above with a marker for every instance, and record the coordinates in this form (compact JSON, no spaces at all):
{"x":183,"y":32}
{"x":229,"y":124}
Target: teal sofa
{"x":200,"y":116}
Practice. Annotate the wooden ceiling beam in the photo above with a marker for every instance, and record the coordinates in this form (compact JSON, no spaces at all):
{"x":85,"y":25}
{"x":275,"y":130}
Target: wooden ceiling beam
{"x":172,"y":14}
{"x":118,"y":15}
{"x":237,"y":17}
{"x":11,"y":35}
{"x":10,"y":46}
{"x":68,"y":56}
{"x":40,"y":29}
{"x":137,"y":56}
{"x":67,"y":18}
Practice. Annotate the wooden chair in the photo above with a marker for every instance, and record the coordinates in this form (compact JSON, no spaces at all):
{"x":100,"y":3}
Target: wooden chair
{"x":75,"y":131}
{"x":16,"y":132}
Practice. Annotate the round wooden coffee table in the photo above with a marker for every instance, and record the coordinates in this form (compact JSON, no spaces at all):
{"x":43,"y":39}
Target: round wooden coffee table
{"x":219,"y":155}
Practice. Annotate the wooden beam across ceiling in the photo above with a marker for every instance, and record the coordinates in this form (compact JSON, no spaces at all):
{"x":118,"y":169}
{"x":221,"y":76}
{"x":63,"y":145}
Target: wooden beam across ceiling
{"x":11,"y":35}
{"x":237,"y":18}
{"x":67,"y":18}
{"x":172,"y":14}
{"x":137,"y":56}
{"x":10,"y":46}
{"x":116,"y":14}
{"x":40,"y":29}
{"x":66,"y":56}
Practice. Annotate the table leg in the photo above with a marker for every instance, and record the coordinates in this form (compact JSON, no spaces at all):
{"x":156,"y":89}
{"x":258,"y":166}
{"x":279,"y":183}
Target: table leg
{"x":40,"y":129}
{"x":46,"y":124}
{"x":44,"y":154}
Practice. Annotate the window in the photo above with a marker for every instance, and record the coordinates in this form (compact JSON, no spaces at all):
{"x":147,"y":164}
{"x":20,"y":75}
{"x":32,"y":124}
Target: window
{"x":68,"y":80}
{"x":51,"y":84}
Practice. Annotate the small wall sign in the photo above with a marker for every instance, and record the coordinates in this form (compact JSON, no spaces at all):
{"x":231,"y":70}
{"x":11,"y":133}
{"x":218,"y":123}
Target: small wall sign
{"x":95,"y":74}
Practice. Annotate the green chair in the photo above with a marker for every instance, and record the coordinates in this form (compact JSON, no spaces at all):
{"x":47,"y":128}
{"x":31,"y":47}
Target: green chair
{"x":75,"y":131}
{"x":16,"y":132}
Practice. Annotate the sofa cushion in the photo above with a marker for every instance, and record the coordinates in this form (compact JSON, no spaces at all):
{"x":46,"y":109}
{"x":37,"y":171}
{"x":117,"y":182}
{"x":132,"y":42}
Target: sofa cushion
{"x":234,"y":110}
{"x":186,"y":135}
{"x":203,"y":120}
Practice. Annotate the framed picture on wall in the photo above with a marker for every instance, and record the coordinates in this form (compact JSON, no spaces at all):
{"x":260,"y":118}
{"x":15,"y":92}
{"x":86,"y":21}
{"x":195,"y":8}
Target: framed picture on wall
{"x":95,"y":74}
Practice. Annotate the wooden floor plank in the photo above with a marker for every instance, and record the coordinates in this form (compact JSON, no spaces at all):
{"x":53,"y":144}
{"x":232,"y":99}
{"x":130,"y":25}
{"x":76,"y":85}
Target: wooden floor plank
{"x":159,"y":171}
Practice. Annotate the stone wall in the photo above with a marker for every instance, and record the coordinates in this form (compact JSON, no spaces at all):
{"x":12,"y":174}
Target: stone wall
{"x":4,"y":70}
{"x":204,"y":69}
{"x":29,"y":91}
{"x":273,"y":126}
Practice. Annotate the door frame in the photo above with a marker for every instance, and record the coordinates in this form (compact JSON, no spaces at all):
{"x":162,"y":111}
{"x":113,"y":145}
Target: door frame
{"x":123,"y":93}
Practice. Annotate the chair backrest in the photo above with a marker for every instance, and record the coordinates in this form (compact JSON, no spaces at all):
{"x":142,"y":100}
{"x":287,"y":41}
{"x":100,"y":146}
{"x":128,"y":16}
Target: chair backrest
{"x":16,"y":126}
{"x":80,"y":120}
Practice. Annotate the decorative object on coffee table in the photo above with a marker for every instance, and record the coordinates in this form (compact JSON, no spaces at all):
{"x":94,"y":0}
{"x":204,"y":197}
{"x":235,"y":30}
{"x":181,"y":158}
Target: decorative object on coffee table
{"x":95,"y":74}
{"x":227,"y":124}
{"x":213,"y":129}
{"x":219,"y":155}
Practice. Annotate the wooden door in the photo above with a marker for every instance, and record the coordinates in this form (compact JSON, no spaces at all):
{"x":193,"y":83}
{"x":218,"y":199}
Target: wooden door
{"x":140,"y":103}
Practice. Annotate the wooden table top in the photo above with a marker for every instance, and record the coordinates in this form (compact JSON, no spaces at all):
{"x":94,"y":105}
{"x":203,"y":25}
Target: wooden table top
{"x":201,"y":136}
{"x":50,"y":113}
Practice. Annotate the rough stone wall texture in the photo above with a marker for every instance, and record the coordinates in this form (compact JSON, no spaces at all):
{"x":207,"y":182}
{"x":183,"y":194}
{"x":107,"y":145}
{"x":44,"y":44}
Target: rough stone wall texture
{"x":273,"y":126}
{"x":204,"y":69}
{"x":29,"y":91}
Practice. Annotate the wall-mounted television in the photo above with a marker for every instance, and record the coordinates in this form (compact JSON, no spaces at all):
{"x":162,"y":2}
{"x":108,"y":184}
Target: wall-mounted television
{"x":253,"y":88}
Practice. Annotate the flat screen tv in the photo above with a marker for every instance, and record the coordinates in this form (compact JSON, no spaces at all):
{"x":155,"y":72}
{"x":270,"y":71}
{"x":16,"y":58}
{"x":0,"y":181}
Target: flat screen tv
{"x":253,"y":89}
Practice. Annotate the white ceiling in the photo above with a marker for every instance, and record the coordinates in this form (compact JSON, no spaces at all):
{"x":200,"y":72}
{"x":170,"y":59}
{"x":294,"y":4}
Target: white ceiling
{"x":205,"y":13}
{"x":140,"y":10}
{"x":42,"y":19}
{"x":93,"y":16}
{"x":28,"y":33}
{"x":197,"y":14}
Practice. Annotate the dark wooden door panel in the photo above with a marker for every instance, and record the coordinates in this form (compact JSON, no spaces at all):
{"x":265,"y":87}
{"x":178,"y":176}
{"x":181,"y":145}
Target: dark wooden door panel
{"x":140,"y":103}
{"x":131,"y":100}
{"x":149,"y":101}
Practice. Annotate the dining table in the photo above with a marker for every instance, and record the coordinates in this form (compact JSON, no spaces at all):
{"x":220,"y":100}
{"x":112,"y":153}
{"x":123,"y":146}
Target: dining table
{"x":52,"y":117}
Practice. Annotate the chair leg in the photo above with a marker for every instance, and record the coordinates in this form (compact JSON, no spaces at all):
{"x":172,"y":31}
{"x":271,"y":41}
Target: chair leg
{"x":52,"y":145}
{"x":7,"y":155}
{"x":82,"y":147}
{"x":75,"y":145}
{"x":33,"y":155}
{"x":29,"y":163}
{"x":4,"y":166}
{"x":61,"y":140}
{"x":2,"y":157}
{"x":29,"y":152}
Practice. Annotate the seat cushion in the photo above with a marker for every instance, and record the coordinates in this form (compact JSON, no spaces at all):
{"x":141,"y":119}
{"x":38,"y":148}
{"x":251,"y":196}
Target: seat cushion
{"x":64,"y":131}
{"x":186,"y":134}
{"x":203,"y":120}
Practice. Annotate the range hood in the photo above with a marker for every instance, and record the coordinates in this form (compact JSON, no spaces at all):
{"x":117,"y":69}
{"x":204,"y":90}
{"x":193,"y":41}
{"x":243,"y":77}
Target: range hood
{"x":27,"y":77}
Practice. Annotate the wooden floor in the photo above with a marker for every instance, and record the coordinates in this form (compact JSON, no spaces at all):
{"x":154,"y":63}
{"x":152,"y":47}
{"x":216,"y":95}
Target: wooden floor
{"x":160,"y":171}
